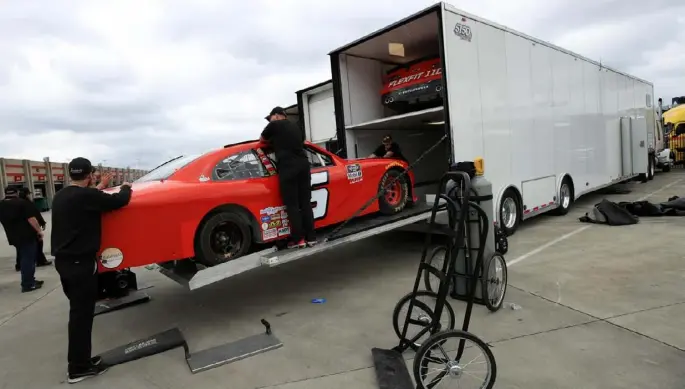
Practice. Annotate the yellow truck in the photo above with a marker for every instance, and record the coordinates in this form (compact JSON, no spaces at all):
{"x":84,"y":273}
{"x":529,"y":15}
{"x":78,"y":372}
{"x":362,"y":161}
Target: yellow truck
{"x":674,"y":128}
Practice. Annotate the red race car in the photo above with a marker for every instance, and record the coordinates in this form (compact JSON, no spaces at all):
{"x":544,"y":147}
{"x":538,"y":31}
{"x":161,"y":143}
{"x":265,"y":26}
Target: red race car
{"x":212,"y":208}
{"x":414,"y":86}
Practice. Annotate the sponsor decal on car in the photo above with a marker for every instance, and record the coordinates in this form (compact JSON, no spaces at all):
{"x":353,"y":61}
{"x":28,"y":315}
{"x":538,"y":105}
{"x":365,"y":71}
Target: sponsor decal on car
{"x":111,"y":257}
{"x":271,"y":210}
{"x":284,"y":231}
{"x":265,"y":226}
{"x":274,"y":224}
{"x":266,"y":219}
{"x":354,"y":173}
{"x":203,"y":178}
{"x":270,"y":234}
{"x":393,"y":164}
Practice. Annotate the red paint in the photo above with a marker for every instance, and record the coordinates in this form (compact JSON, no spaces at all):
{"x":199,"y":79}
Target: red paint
{"x":162,"y":218}
{"x":419,"y":73}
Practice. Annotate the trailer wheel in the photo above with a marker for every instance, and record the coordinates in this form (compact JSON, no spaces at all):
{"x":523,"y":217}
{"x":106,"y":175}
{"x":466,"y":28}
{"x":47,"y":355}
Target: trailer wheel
{"x":565,"y":197}
{"x":509,"y":212}
{"x":396,"y":192}
{"x":650,"y":168}
{"x":223,"y":237}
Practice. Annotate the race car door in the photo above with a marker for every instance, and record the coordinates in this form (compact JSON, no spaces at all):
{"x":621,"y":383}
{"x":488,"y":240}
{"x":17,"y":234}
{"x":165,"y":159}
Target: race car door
{"x":328,"y":188}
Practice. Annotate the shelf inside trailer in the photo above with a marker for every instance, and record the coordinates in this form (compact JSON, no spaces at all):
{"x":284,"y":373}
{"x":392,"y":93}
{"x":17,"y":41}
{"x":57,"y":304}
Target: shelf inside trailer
{"x":193,"y":277}
{"x":411,"y":120}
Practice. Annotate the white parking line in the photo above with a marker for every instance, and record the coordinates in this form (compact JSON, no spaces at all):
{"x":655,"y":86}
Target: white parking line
{"x":580,"y":229}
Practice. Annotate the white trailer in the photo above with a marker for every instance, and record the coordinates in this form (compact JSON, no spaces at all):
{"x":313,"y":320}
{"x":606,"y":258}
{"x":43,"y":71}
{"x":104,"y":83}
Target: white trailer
{"x":317,"y":114}
{"x":550,"y":124}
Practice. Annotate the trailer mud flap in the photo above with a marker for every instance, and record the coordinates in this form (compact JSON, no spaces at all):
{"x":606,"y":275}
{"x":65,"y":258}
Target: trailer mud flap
{"x":391,"y":370}
{"x":134,"y":298}
{"x":197,"y":362}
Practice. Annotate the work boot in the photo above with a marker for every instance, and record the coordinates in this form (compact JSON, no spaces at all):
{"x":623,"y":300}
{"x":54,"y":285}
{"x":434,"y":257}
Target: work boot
{"x":46,"y":263}
{"x":78,"y":375}
{"x":36,"y":285}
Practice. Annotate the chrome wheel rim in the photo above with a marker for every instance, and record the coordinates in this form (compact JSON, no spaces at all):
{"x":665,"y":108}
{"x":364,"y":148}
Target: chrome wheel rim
{"x":565,"y":196}
{"x":509,"y":212}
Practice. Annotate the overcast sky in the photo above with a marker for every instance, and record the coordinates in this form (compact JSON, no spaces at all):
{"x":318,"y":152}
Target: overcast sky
{"x":137,"y":82}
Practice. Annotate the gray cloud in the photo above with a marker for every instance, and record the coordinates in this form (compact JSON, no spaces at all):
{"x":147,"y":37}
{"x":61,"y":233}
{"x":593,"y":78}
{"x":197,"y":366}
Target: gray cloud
{"x":134,"y":83}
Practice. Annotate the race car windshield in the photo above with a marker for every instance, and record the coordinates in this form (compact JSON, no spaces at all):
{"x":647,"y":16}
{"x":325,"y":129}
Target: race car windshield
{"x":165,"y":170}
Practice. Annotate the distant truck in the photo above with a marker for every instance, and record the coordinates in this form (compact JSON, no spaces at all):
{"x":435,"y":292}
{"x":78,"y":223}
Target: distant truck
{"x":550,"y":124}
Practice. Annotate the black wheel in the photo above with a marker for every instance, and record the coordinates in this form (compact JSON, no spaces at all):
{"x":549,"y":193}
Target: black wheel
{"x":565,"y":197}
{"x":396,"y":192}
{"x":436,"y":258}
{"x":666,"y":168}
{"x":509,"y":212}
{"x":651,"y":168}
{"x":454,"y":356}
{"x":501,"y":241}
{"x":225,"y":236}
{"x":422,"y":313}
{"x":494,"y":282}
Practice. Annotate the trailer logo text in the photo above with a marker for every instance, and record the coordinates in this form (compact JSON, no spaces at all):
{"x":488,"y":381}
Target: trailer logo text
{"x":463,"y":31}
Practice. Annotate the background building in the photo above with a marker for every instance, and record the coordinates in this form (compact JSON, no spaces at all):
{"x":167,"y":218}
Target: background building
{"x":45,"y":178}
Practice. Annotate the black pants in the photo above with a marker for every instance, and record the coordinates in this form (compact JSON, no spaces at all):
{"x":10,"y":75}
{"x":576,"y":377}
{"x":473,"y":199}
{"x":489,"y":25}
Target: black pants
{"x":295,"y":182}
{"x":80,"y":285}
{"x":40,"y":255}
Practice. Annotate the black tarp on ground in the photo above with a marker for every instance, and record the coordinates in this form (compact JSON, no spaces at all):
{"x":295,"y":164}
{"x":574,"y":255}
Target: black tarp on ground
{"x":626,"y":213}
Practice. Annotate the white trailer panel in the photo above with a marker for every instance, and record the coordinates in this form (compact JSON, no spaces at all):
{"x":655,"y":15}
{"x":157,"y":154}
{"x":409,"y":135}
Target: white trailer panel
{"x":536,"y":113}
{"x":317,"y":112}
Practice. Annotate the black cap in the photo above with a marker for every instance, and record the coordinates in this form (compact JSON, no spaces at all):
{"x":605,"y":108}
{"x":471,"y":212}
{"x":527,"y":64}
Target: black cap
{"x":276,"y":110}
{"x":11,"y":191}
{"x":80,"y":168}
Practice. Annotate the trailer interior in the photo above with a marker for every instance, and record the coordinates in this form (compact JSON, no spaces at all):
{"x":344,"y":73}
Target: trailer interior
{"x":390,"y":83}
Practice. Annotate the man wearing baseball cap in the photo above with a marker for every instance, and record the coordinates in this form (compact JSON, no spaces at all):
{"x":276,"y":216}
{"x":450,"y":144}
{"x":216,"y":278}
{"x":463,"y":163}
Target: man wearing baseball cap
{"x":76,"y":213}
{"x":23,"y":232}
{"x":294,"y":177}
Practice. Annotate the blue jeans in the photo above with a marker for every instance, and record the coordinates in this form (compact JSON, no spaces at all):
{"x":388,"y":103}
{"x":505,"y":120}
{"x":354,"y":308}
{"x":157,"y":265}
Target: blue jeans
{"x":26,"y":253}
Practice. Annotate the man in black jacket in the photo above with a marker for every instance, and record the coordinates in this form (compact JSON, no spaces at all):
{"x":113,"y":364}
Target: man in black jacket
{"x":76,"y":213}
{"x":25,"y":193}
{"x":23,"y":232}
{"x":294,"y":177}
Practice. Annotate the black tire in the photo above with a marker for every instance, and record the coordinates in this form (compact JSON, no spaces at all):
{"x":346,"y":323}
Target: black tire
{"x":508,"y":197}
{"x":423,"y":354}
{"x":650,"y":168}
{"x":432,"y":260}
{"x":396,"y":197}
{"x":206,"y":250}
{"x":487,"y":283}
{"x":666,"y":168}
{"x":565,"y":197}
{"x":398,"y":317}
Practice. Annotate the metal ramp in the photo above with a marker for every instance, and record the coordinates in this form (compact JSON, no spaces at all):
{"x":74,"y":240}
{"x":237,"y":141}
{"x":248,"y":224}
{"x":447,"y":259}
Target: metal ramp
{"x":198,"y":361}
{"x":194,"y":276}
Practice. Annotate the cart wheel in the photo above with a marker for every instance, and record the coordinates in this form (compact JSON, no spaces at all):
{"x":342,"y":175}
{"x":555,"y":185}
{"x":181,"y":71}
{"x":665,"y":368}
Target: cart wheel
{"x":494,"y":282}
{"x":421,"y":317}
{"x":436,"y":259}
{"x":454,"y":356}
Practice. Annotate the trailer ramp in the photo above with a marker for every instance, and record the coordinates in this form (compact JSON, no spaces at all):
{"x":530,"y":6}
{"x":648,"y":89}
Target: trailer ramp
{"x":193,"y":276}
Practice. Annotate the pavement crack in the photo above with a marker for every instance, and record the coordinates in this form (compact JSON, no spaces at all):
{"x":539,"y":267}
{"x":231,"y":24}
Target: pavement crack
{"x":27,"y":307}
{"x":595,"y":319}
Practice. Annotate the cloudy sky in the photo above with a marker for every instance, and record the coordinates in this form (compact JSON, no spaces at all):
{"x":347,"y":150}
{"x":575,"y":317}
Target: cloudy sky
{"x":137,"y":82}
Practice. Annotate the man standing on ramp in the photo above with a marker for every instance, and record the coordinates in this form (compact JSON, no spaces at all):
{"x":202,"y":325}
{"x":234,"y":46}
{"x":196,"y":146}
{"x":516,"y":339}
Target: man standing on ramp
{"x":76,"y":227}
{"x":294,"y":178}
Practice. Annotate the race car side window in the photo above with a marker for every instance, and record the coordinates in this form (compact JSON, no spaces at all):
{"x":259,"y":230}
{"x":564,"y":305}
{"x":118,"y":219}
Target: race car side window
{"x":239,"y":166}
{"x":317,"y":159}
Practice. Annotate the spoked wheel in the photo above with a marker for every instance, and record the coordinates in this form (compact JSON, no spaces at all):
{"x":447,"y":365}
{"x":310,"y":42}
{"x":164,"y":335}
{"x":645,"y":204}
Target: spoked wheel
{"x":226,"y":240}
{"x":396,"y":193}
{"x":454,"y":359}
{"x":421,"y":316}
{"x":494,"y":282}
{"x":225,"y":236}
{"x":437,"y":260}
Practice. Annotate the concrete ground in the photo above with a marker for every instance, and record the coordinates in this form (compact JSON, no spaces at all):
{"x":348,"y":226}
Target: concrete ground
{"x":601,"y":307}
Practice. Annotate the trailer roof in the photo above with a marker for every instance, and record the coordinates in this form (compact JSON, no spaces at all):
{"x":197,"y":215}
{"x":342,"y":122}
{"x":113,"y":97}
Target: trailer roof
{"x":440,"y":5}
{"x":320,"y":85}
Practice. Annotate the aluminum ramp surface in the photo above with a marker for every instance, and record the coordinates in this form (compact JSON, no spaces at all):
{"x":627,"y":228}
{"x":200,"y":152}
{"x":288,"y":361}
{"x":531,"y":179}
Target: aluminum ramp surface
{"x":194,"y":276}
